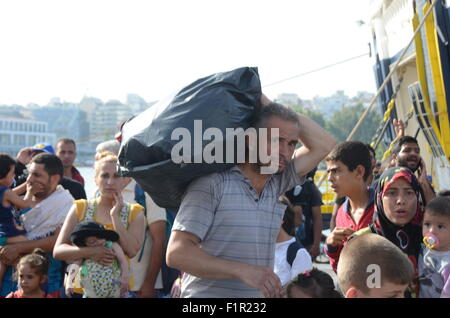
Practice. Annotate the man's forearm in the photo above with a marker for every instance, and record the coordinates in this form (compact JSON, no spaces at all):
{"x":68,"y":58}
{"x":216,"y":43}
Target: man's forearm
{"x":312,"y":135}
{"x":156,"y":258}
{"x":427,"y":191}
{"x":200,"y":264}
{"x":317,"y":219}
{"x":317,"y":143}
{"x":190,"y":258}
{"x":47,"y":244}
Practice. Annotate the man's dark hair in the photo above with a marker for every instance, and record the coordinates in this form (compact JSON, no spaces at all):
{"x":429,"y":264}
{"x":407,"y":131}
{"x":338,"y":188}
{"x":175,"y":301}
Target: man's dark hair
{"x":403,"y":140}
{"x":6,"y":161}
{"x":352,"y":154}
{"x":66,"y":141}
{"x":52,"y":164}
{"x":289,"y":217}
{"x":372,"y":151}
{"x":274,"y":109}
{"x":439,"y":206}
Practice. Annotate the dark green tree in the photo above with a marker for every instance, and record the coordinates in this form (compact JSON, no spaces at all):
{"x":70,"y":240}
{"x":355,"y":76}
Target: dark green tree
{"x":342,"y":123}
{"x":314,"y":115}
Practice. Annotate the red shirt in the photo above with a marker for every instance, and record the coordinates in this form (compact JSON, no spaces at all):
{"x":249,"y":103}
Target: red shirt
{"x":19,"y":294}
{"x":344,"y":219}
{"x":76,"y":175}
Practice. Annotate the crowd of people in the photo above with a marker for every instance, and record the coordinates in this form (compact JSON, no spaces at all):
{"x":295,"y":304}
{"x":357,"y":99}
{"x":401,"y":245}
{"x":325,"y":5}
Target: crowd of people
{"x":238,"y":233}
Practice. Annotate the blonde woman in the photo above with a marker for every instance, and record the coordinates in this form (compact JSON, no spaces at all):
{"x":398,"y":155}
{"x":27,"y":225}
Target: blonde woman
{"x":108,"y":209}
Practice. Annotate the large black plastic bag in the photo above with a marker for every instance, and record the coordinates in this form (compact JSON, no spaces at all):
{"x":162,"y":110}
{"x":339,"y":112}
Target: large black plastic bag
{"x":222,"y":100}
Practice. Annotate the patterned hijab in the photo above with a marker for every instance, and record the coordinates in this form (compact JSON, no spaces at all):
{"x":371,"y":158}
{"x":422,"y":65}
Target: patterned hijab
{"x":408,"y":237}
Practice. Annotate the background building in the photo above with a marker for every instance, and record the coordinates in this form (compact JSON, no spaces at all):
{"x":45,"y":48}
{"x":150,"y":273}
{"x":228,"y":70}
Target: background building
{"x":17,"y":133}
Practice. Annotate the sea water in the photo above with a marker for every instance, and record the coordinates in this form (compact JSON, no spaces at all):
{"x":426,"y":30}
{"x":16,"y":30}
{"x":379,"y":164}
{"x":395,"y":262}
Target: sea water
{"x":88,"y":174}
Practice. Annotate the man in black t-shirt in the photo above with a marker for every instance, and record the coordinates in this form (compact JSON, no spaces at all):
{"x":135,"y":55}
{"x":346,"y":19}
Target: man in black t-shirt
{"x":307,"y":201}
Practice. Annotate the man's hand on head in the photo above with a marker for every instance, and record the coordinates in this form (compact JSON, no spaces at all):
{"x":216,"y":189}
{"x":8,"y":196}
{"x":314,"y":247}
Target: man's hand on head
{"x":264,"y":100}
{"x":25,"y":155}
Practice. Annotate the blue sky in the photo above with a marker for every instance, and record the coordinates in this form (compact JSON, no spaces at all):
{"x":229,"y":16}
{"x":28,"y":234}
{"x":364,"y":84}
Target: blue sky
{"x":108,"y":48}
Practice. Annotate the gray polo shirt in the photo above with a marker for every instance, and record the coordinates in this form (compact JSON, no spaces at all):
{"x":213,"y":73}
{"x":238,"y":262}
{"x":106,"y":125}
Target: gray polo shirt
{"x":233,"y":222}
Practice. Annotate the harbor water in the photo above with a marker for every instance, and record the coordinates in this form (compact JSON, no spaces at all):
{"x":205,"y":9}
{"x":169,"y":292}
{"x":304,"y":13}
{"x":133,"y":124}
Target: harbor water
{"x":89,"y":183}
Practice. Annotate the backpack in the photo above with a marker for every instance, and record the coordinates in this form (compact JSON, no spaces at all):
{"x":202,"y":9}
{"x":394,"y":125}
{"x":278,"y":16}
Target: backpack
{"x":292,"y":251}
{"x":139,"y":197}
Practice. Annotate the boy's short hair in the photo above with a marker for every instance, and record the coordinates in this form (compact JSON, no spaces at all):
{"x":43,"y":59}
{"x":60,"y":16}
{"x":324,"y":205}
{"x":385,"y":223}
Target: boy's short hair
{"x":352,"y":154}
{"x":403,"y":140}
{"x":439,"y":206}
{"x":366,"y":250}
{"x":6,"y":161}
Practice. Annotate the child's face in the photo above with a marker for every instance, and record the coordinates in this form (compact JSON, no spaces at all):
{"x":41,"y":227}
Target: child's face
{"x":400,"y":202}
{"x":9,"y":178}
{"x":28,"y":279}
{"x":341,"y":179}
{"x":387,"y":290}
{"x":93,"y":241}
{"x":439,"y":225}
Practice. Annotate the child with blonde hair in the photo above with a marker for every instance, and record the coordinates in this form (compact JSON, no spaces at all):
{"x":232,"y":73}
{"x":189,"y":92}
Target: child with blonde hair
{"x":371,"y":266}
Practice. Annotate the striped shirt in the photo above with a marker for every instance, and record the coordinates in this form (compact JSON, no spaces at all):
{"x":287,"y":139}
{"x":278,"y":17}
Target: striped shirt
{"x":233,"y":222}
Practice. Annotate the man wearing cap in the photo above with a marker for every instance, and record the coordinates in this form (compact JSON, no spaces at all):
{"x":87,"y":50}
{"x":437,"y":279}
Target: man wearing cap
{"x":67,"y":152}
{"x":24,"y":157}
{"x":42,"y":222}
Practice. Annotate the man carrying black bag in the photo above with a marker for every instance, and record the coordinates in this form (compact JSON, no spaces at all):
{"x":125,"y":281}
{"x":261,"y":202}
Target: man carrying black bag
{"x":224,"y":233}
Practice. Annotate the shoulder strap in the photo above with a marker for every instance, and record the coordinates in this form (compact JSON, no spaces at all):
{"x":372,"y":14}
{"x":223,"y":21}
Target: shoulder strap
{"x":139,"y":197}
{"x":89,"y":213}
{"x":292,"y":252}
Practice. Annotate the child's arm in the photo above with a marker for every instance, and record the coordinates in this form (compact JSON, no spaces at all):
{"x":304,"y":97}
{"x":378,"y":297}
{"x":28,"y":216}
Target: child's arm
{"x":13,"y":199}
{"x":20,"y":189}
{"x":124,"y":280}
{"x":335,"y":242}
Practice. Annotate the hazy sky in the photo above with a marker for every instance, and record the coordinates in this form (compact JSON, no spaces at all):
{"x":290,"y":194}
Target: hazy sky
{"x":108,"y":48}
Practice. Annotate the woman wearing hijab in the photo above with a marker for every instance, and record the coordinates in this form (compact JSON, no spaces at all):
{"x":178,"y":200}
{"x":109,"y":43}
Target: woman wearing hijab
{"x":399,"y":212}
